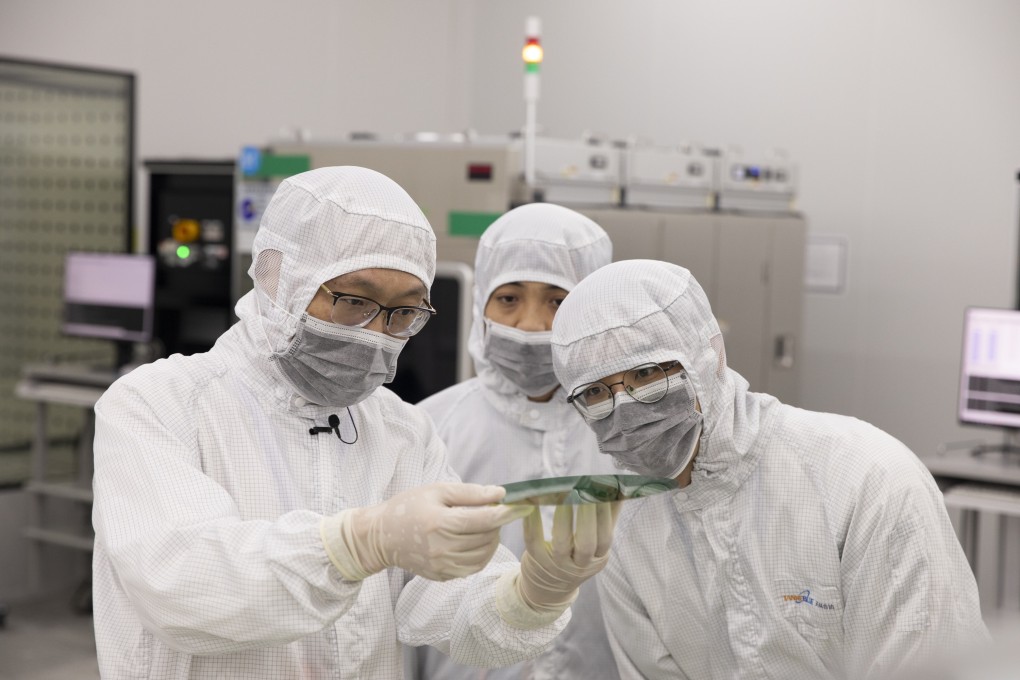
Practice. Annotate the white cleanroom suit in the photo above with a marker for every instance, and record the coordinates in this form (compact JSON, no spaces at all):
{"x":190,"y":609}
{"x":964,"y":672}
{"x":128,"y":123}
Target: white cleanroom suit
{"x":496,"y":435}
{"x":807,"y":545}
{"x":211,"y":494}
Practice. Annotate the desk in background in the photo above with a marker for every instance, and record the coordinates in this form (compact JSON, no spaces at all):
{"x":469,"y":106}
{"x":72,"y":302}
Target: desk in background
{"x":982,"y":495}
{"x":69,"y":385}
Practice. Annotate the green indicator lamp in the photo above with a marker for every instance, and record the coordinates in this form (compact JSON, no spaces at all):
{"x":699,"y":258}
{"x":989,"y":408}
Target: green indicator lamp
{"x":183,"y":252}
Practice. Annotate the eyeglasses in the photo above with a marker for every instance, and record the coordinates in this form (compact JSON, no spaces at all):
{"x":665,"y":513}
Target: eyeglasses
{"x":354,"y":310}
{"x":646,"y":383}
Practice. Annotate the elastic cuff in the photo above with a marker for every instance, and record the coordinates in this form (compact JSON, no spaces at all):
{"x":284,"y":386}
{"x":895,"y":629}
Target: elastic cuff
{"x":335,"y":534}
{"x":516,"y":611}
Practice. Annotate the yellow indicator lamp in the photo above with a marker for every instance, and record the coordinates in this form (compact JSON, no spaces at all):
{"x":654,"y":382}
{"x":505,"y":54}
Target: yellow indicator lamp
{"x":186,"y":230}
{"x":532,"y":54}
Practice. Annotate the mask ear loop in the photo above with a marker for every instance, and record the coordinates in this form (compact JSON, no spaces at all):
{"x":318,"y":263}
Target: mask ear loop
{"x":262,"y":319}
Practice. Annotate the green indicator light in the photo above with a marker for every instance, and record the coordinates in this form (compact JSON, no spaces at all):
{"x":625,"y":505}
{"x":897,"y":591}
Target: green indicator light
{"x":183,"y":252}
{"x":530,"y":68}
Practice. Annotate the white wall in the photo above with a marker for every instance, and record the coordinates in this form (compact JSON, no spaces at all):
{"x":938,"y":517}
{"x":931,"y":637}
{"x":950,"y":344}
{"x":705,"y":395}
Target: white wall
{"x":904,"y":117}
{"x":213,"y":76}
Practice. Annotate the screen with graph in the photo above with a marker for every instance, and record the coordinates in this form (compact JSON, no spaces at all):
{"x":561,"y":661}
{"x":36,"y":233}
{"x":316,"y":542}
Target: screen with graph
{"x":990,"y":368}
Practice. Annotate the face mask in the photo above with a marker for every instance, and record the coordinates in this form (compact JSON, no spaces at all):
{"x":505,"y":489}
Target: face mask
{"x":657,"y":439}
{"x":334,"y":365}
{"x":522,"y":357}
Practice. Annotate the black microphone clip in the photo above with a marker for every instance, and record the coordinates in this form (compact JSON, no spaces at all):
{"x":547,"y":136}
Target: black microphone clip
{"x":334,"y":426}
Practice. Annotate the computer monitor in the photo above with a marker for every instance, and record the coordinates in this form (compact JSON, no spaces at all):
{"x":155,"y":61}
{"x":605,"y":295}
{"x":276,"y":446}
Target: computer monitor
{"x":990,"y":369}
{"x":438,"y":357}
{"x":109,"y":295}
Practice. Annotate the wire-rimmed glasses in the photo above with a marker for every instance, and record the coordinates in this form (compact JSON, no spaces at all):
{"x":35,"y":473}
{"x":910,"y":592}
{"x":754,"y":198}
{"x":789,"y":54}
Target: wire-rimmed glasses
{"x":358,"y":311}
{"x":647,"y":383}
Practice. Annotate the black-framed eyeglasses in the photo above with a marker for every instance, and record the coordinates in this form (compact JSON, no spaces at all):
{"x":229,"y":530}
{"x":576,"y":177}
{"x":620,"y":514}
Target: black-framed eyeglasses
{"x":647,"y":383}
{"x":358,"y":311}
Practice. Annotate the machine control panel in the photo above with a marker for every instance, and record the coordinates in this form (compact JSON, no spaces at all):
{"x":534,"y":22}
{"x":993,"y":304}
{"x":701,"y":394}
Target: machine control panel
{"x":766,"y":182}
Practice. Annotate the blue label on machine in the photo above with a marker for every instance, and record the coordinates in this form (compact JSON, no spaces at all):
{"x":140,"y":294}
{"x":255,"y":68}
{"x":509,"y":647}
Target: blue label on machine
{"x":251,"y":160}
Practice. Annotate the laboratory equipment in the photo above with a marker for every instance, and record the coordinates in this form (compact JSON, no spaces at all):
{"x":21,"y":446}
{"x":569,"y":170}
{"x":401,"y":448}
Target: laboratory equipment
{"x":576,"y":172}
{"x":989,"y":391}
{"x":46,"y":388}
{"x":583,"y":489}
{"x":765,"y":183}
{"x":750,"y":262}
{"x":986,"y":518}
{"x":190,"y":234}
{"x":108,"y":295}
{"x":462,"y":184}
{"x":982,"y":489}
{"x":669,"y":177}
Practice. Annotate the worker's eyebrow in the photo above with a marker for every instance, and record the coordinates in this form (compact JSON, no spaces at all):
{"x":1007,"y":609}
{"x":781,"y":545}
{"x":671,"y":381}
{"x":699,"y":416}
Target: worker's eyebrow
{"x":354,"y":279}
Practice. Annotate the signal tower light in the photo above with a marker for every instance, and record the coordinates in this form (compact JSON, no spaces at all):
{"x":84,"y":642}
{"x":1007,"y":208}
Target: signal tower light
{"x":532,"y":54}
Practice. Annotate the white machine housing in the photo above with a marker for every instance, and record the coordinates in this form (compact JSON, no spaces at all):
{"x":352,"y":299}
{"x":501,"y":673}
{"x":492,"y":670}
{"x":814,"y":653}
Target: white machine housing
{"x":751,"y":264}
{"x":669,"y":177}
{"x":577,"y":172}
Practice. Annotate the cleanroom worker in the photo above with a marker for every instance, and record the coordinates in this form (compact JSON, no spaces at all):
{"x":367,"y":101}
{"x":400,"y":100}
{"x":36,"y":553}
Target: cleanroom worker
{"x":801,"y":544}
{"x":512,"y":422}
{"x":268,"y":510}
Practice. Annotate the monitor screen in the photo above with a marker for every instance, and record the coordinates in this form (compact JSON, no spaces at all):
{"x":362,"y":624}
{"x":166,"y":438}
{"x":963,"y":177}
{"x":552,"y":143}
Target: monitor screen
{"x":109,"y":295}
{"x":437,"y":357}
{"x":990,"y":375}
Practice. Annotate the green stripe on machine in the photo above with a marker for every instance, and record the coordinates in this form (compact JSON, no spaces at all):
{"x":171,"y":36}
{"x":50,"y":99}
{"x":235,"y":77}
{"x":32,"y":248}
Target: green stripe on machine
{"x":283,"y":166}
{"x":469,"y":223}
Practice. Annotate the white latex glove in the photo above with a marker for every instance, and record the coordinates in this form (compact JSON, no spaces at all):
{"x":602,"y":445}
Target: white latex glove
{"x":440,"y":531}
{"x":552,"y":572}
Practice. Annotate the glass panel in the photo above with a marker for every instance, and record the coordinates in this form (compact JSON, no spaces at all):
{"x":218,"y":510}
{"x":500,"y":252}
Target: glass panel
{"x":578,"y":490}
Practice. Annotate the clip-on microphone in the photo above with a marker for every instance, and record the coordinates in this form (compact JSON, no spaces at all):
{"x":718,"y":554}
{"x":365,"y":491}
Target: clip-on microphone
{"x":334,"y":426}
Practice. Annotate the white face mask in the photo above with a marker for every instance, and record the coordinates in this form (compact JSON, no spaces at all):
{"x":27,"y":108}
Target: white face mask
{"x":333,"y":365}
{"x":522,"y":357}
{"x":656,"y":439}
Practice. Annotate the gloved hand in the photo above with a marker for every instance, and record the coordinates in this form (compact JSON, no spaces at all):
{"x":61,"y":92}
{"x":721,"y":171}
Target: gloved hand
{"x":552,"y":572}
{"x":440,"y":531}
